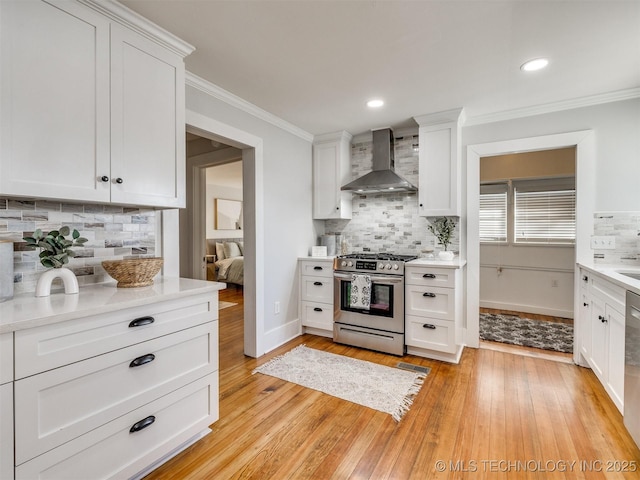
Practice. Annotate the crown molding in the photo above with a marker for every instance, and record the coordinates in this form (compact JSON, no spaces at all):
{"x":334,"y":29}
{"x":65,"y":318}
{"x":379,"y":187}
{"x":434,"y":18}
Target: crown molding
{"x":570,"y":104}
{"x":229,"y":98}
{"x":119,"y":13}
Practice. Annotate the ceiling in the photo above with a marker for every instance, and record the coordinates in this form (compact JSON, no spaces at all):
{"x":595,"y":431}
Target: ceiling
{"x":315,"y":63}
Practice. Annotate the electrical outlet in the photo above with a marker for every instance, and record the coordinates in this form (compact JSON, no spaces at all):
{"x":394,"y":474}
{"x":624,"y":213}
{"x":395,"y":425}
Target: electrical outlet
{"x":603,"y":242}
{"x":554,"y":283}
{"x":276,"y":307}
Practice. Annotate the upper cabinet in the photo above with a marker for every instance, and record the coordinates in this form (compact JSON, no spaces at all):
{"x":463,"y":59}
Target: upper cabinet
{"x":92,"y":105}
{"x":439,"y":163}
{"x":331,"y":170}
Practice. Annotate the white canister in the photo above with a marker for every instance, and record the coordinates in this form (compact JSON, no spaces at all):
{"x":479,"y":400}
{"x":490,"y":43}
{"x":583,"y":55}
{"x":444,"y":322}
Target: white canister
{"x":6,"y":270}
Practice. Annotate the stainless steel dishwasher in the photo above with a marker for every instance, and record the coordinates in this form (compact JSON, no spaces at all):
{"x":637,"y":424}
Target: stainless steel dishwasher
{"x":632,"y":367}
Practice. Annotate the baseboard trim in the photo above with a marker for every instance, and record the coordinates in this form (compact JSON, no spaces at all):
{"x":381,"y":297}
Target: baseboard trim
{"x":280,"y":335}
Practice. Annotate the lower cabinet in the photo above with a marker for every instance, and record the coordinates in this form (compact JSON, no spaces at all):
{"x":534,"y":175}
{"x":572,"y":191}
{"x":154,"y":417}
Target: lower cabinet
{"x":147,"y":391}
{"x":433,"y":312}
{"x":316,"y":296}
{"x":6,"y":431}
{"x":602,"y":332}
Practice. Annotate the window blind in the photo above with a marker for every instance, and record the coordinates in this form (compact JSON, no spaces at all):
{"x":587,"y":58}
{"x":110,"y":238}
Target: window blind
{"x":493,"y":213}
{"x":545,"y":216}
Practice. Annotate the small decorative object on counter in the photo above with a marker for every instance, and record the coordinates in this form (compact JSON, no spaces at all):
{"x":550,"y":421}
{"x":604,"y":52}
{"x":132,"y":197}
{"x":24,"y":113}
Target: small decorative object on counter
{"x":442,"y":228}
{"x":55,"y":250}
{"x":133,"y":272}
{"x":6,"y":270}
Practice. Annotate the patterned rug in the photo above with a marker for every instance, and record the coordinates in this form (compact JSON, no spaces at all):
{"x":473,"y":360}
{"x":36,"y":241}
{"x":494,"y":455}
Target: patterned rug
{"x":222,"y":304}
{"x":386,"y":389}
{"x":526,"y":332}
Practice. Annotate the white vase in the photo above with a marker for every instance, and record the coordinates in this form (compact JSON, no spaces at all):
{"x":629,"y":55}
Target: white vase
{"x":43,"y":287}
{"x":445,"y":255}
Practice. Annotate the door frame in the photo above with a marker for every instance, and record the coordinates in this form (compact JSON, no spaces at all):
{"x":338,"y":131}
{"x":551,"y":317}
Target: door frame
{"x":584,"y":141}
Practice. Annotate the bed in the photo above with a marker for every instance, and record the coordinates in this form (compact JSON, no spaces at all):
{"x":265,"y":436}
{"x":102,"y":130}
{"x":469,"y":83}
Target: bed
{"x":225,"y":260}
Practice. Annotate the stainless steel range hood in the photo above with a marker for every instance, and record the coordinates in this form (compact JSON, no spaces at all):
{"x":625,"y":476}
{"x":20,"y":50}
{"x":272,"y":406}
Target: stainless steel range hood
{"x":382,"y":179}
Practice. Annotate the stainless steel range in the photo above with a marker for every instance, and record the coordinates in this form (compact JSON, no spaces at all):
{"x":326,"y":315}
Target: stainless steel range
{"x":380,"y":324}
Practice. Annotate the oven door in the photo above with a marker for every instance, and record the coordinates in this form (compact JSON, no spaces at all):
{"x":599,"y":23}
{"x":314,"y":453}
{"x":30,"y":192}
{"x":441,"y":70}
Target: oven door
{"x":386,"y":310}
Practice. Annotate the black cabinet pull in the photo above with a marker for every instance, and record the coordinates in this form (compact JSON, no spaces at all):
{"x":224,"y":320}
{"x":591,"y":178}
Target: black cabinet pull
{"x":142,"y":424}
{"x":428,"y":275}
{"x":137,"y":362}
{"x":585,"y":304}
{"x":119,"y":180}
{"x":318,"y":283}
{"x":602,"y":319}
{"x":139,"y":322}
{"x":429,"y":326}
{"x":585,"y":278}
{"x":317,"y":309}
{"x":317,"y":268}
{"x":104,"y":178}
{"x":429,"y":294}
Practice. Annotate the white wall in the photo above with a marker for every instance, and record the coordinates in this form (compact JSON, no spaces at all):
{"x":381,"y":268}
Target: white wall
{"x":289,"y":230}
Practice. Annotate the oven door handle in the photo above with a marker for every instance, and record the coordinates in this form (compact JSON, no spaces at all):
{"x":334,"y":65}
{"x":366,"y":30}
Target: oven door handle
{"x":374,"y":278}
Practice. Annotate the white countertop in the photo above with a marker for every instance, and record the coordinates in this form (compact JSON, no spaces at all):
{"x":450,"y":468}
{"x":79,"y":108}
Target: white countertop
{"x":435,"y":262}
{"x":612,"y":272}
{"x":28,"y":311}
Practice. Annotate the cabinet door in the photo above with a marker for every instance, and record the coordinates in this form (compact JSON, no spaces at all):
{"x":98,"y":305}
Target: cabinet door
{"x":55,"y":101}
{"x":6,"y":431}
{"x":331,"y":170}
{"x":147,"y":122}
{"x":616,"y":348}
{"x":584,"y":317}
{"x":599,"y":339}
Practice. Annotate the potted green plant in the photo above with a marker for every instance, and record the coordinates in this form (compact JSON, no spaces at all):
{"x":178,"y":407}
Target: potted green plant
{"x":55,"y":251}
{"x":442,"y":228}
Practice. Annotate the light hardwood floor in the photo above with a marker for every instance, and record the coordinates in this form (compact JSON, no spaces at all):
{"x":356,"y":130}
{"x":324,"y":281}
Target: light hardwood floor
{"x":480,"y":417}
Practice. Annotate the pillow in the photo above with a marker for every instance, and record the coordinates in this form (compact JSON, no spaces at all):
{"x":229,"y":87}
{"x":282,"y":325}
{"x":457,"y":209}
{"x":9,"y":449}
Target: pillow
{"x":231,"y":250}
{"x":241,"y":247}
{"x":220,"y":251}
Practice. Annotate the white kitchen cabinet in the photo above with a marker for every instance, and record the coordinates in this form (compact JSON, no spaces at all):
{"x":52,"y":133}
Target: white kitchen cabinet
{"x":331,"y":170}
{"x":6,"y":406}
{"x":91,"y":111}
{"x":439,"y":164}
{"x":6,"y":358}
{"x":316,"y":296}
{"x":108,"y":395}
{"x":433,"y":311}
{"x":602,"y":332}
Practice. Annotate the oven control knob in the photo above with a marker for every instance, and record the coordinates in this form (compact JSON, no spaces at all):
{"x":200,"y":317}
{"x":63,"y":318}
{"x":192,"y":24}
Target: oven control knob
{"x":388,"y":266}
{"x":395,"y":266}
{"x":344,"y":263}
{"x":349,"y":263}
{"x":381,"y":266}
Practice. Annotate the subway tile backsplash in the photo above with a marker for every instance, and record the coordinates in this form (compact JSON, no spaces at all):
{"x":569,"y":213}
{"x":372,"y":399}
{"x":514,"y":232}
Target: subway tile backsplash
{"x":387,"y":222}
{"x":114,"y":233}
{"x":625,"y":227}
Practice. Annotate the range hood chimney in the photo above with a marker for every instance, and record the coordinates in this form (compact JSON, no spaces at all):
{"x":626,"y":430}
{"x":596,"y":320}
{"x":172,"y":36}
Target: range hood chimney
{"x":382,"y":179}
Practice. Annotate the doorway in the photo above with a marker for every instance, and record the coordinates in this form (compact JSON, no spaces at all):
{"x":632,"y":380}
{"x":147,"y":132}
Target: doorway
{"x":584,"y":142}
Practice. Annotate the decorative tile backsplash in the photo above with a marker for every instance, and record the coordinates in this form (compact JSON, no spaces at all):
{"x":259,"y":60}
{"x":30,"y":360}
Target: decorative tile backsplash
{"x":387,"y":222}
{"x":114,"y":233}
{"x":625,"y":227}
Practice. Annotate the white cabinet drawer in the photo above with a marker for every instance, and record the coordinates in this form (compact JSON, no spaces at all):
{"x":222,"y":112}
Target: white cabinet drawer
{"x":317,"y":289}
{"x":59,"y":405}
{"x":6,"y":431}
{"x":112,"y":451}
{"x":433,"y":302}
{"x":317,"y":315}
{"x":316,"y":268}
{"x":6,"y":358}
{"x":50,"y":346}
{"x":430,"y":276}
{"x":609,"y":292}
{"x":431,"y":334}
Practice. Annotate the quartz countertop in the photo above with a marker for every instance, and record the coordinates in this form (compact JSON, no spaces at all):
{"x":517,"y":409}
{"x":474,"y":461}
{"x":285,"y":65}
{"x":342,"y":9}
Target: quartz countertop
{"x":612,"y":273}
{"x":28,"y":311}
{"x":434,"y":262}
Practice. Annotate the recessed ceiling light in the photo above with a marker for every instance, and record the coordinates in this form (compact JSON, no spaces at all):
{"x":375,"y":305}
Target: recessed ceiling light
{"x":375,"y":103}
{"x":535,"y":64}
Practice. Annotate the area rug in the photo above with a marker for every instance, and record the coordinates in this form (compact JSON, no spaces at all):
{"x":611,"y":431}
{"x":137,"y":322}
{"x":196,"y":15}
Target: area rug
{"x":386,"y":389}
{"x":526,"y":332}
{"x":222,"y":304}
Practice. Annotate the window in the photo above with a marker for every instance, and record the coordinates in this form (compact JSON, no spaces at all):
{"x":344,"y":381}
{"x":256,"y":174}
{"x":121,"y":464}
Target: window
{"x":493,"y":213}
{"x":545,"y":212}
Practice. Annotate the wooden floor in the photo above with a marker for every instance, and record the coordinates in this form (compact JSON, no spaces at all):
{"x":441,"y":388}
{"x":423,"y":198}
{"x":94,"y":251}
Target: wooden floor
{"x":495,"y":415}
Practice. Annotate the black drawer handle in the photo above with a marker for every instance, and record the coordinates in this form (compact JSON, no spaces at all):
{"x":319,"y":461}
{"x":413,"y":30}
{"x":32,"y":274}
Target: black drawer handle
{"x":317,"y":309}
{"x":137,"y":362}
{"x":429,"y":326}
{"x":585,"y":279}
{"x":428,"y":275}
{"x":142,"y":424}
{"x":319,"y":284}
{"x":429,"y":294}
{"x":585,"y":304}
{"x":138,"y":322}
{"x":602,"y":319}
{"x":317,"y":268}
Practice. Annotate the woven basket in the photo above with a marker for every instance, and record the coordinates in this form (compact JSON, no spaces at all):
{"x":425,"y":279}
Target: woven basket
{"x":133,"y":272}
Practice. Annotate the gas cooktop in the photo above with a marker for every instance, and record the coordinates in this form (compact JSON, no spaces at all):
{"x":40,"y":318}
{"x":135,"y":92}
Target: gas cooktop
{"x":391,"y":257}
{"x":386,"y":263}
